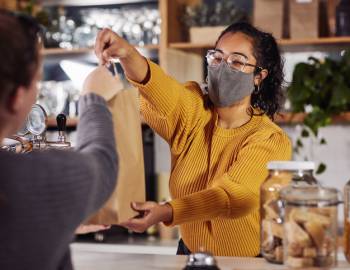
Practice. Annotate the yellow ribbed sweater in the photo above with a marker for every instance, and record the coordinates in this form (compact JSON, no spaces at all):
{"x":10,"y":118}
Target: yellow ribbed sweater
{"x":216,"y":173}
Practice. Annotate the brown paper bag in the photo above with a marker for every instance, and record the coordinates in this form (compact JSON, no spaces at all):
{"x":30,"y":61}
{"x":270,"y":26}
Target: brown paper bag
{"x":131,"y":179}
{"x":304,"y":18}
{"x":269,"y":16}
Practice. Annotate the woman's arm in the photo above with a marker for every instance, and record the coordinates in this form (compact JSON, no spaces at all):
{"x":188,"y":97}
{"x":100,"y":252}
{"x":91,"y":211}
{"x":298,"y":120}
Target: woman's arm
{"x":169,"y":107}
{"x":233,"y":195}
{"x":236,"y":193}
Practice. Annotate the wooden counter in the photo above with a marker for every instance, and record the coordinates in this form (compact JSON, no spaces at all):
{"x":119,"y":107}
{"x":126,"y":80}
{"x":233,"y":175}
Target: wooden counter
{"x":84,"y":259}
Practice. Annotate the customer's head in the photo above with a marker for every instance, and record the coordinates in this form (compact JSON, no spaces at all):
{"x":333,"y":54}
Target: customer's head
{"x":20,"y":69}
{"x":257,"y":56}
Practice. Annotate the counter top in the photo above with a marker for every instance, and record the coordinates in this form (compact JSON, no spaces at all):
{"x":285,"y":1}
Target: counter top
{"x":88,"y":257}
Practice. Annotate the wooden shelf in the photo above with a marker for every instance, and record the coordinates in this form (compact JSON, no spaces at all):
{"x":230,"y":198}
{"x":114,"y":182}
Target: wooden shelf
{"x":49,"y":3}
{"x":189,"y":46}
{"x":327,"y":41}
{"x":60,"y":51}
{"x":298,"y":118}
{"x":315,"y":41}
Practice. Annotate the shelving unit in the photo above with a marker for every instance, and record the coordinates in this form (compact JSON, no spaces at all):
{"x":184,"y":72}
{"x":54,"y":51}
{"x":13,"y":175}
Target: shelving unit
{"x":173,"y":38}
{"x":326,"y":41}
{"x":60,"y":51}
{"x":298,"y":118}
{"x":91,"y":2}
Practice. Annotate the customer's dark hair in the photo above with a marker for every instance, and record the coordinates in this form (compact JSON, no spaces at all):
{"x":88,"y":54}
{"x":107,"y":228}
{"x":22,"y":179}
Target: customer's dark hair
{"x":270,"y":96}
{"x":19,"y":52}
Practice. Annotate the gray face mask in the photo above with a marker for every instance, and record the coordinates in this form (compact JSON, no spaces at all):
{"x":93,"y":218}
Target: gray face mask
{"x":227,"y":86}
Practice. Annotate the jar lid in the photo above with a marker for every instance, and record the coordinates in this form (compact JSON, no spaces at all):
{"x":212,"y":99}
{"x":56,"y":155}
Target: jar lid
{"x":310,"y":195}
{"x":291,"y":165}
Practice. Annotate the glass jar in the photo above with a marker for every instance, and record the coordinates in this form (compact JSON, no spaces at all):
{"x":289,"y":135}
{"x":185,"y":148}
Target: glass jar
{"x":347,"y":221}
{"x":281,"y":173}
{"x":310,"y":226}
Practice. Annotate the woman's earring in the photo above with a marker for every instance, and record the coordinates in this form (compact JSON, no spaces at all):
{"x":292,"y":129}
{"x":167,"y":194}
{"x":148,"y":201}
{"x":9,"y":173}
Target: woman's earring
{"x":204,"y":87}
{"x":257,"y":89}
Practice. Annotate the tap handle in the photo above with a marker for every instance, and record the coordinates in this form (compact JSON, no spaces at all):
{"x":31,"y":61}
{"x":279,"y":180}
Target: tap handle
{"x":61,"y":122}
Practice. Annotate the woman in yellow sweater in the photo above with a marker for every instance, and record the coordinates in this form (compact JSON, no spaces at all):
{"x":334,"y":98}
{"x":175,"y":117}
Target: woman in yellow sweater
{"x":220,"y":142}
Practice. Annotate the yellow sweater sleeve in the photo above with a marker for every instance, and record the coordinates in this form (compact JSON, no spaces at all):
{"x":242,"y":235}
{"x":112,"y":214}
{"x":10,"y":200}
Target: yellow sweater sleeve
{"x":236,"y":193}
{"x":170,"y":108}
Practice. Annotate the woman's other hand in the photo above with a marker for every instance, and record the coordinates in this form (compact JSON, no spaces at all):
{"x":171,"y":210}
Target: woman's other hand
{"x":83,"y":229}
{"x":151,"y":213}
{"x":110,"y":46}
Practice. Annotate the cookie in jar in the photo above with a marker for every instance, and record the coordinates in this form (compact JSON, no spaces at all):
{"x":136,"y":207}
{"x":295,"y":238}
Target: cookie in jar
{"x":281,"y":174}
{"x":310,"y":226}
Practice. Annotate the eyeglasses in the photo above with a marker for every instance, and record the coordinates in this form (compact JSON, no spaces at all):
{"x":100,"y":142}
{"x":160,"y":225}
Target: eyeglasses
{"x":235,"y":61}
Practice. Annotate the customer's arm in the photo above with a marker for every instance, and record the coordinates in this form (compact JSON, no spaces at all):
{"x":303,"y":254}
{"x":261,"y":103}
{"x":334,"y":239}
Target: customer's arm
{"x":61,"y":188}
{"x":73,"y":184}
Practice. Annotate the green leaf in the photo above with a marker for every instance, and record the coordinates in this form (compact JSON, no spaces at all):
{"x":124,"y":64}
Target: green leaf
{"x":321,"y":168}
{"x":325,"y":85}
{"x":316,"y":119}
{"x":340,"y":96}
{"x":314,"y":60}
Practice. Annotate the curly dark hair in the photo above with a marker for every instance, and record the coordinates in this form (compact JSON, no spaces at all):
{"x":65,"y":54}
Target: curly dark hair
{"x":270,"y":97}
{"x":19,"y":52}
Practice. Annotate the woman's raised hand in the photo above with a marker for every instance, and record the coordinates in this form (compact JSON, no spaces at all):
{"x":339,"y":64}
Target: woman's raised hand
{"x":110,"y":46}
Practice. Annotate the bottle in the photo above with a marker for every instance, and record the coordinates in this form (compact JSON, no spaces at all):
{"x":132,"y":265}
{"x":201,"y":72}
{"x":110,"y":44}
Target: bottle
{"x":310,"y":226}
{"x":281,"y":174}
{"x":347,"y":221}
{"x":343,"y":18}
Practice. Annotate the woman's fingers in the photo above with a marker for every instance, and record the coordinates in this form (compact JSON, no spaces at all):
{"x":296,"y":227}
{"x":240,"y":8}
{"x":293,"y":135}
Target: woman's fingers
{"x":102,"y":41}
{"x":114,"y":51}
{"x":83,"y":229}
{"x":136,"y":224}
{"x":145,"y":206}
{"x":109,"y":45}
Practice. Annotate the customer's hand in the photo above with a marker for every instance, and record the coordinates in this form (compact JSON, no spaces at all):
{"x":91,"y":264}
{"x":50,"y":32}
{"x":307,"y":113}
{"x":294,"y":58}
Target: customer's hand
{"x":83,"y":229}
{"x":100,"y":81}
{"x":150,"y":213}
{"x":111,"y":46}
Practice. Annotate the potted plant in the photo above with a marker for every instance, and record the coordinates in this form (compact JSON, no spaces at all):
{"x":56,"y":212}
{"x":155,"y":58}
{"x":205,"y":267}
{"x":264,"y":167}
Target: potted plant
{"x":207,"y":20}
{"x":321,"y":89}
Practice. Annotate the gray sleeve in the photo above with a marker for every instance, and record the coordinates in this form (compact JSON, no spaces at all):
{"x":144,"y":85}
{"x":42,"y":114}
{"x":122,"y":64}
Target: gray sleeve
{"x":45,"y":195}
{"x":65,"y":187}
{"x":96,"y":145}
